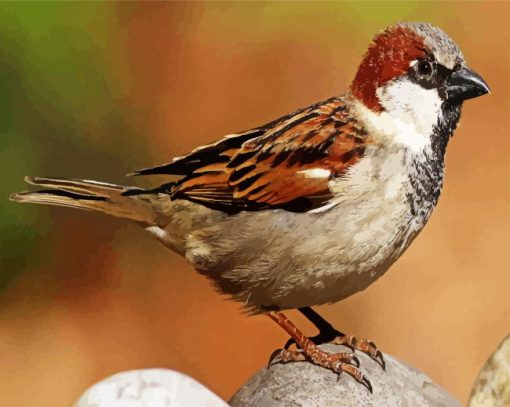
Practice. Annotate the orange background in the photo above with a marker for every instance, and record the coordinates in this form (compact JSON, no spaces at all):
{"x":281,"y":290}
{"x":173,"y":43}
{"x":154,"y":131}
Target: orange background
{"x":97,"y":90}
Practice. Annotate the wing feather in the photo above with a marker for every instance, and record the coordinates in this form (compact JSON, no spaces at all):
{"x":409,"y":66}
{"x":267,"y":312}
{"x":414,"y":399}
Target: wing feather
{"x":288,"y":163}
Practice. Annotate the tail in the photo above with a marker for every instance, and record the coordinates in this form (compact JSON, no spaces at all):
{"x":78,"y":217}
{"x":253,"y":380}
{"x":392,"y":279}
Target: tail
{"x":116,"y":200}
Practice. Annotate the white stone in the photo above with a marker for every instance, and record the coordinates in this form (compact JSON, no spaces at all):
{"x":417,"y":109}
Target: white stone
{"x":149,"y":388}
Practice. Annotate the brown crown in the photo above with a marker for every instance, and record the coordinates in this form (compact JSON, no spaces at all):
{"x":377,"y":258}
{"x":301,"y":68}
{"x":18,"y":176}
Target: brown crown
{"x":387,"y":57}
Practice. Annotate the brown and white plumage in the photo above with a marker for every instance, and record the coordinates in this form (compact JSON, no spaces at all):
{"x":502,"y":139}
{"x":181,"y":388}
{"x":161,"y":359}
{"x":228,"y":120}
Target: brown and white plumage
{"x":316,"y":205}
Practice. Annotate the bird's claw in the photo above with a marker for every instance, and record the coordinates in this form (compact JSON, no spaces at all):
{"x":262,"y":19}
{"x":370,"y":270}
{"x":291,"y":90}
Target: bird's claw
{"x":365,"y":382}
{"x":379,"y":358}
{"x":364,"y":345}
{"x":354,"y":372}
{"x":274,"y":358}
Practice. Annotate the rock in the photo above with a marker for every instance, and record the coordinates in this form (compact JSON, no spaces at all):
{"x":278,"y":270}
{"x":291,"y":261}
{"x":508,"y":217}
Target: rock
{"x":149,"y":388}
{"x":303,"y":384}
{"x":492,"y":386}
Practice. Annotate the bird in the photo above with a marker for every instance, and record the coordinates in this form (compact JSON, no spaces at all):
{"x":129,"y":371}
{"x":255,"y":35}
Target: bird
{"x":314,"y":206}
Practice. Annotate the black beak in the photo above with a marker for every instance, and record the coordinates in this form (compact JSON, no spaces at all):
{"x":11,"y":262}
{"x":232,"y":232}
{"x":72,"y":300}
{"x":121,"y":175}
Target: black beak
{"x":465,"y":84}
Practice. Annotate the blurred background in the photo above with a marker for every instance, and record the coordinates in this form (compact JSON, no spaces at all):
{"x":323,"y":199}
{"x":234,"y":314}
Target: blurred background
{"x":96,"y":90}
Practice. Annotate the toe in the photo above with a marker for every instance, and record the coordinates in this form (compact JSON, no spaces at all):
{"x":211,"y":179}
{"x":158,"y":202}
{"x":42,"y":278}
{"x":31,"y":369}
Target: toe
{"x":370,"y":348}
{"x":356,"y":374}
{"x":345,"y":357}
{"x":346,"y":340}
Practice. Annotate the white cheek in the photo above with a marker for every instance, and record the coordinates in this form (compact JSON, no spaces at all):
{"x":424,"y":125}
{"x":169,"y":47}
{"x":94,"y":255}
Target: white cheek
{"x":412,"y":110}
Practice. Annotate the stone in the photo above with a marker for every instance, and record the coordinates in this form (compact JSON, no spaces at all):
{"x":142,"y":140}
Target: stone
{"x":149,"y":387}
{"x":492,"y":386}
{"x":301,"y":384}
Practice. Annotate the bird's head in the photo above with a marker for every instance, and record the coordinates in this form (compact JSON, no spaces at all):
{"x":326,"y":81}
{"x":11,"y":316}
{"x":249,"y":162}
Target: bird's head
{"x":411,"y":70}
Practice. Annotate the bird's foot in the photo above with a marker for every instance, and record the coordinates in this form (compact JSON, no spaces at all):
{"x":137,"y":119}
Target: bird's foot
{"x":366,"y":346}
{"x":337,"y":362}
{"x":309,"y":351}
{"x":335,"y":337}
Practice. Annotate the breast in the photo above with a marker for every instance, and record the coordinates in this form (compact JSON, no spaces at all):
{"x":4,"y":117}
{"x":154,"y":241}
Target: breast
{"x":353,"y":243}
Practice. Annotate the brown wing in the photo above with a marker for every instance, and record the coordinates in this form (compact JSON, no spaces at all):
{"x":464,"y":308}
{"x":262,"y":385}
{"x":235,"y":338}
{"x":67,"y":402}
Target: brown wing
{"x":287,"y":163}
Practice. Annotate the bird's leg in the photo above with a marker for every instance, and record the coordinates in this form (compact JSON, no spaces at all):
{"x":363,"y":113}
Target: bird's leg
{"x":337,"y":362}
{"x":328,"y":334}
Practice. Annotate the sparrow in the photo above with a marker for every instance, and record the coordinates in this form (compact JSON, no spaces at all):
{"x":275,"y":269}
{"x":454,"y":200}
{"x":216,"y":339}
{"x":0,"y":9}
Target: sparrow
{"x":316,"y":205}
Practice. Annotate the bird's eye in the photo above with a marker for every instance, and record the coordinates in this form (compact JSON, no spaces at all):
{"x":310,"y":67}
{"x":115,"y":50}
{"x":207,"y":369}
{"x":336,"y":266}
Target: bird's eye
{"x":424,"y":68}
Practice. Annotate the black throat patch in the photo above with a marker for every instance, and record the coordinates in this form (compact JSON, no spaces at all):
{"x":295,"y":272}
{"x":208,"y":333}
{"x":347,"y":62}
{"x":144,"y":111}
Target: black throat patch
{"x":426,"y":178}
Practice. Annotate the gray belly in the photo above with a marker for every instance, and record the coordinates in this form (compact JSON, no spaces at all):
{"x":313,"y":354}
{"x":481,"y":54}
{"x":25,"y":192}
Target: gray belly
{"x":277,"y":260}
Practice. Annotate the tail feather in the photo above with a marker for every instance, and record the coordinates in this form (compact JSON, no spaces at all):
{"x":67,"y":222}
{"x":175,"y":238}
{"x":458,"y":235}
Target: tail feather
{"x":90,"y":195}
{"x":85,"y":186}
